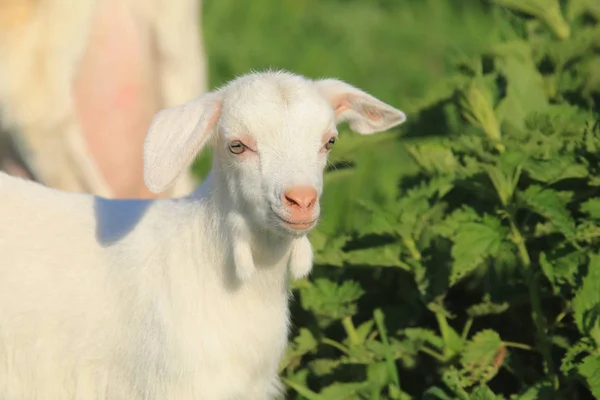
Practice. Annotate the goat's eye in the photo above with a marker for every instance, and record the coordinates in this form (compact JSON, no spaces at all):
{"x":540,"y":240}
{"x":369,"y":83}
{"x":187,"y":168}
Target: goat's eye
{"x":237,"y":147}
{"x":330,"y":144}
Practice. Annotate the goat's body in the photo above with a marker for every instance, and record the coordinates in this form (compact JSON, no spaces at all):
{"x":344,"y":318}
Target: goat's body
{"x":127,"y":301}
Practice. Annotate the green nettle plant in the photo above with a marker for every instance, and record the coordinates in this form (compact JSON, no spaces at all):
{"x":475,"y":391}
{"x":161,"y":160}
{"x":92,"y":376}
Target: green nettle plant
{"x":473,"y":273}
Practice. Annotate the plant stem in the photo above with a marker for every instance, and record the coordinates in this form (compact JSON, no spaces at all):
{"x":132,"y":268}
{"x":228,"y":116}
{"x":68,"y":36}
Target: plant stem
{"x":337,"y":345}
{"x":443,"y":324}
{"x":544,"y":345}
{"x":350,"y":330}
{"x":466,"y":329}
{"x":518,"y":345}
{"x":412,"y":247}
{"x":433,"y":353}
{"x":302,"y":390}
{"x":389,"y":357}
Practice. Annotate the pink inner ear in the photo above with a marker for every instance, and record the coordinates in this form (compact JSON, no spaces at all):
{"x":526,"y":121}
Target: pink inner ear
{"x":341,"y":104}
{"x":341,"y":108}
{"x":372,"y":114}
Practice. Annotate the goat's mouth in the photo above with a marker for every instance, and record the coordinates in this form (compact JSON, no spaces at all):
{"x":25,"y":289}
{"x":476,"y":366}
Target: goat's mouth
{"x":297,"y":225}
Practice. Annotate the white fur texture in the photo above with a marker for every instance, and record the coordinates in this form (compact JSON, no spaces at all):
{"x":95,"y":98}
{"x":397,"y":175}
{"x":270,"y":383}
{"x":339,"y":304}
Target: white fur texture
{"x":42,"y":43}
{"x":171,"y":299}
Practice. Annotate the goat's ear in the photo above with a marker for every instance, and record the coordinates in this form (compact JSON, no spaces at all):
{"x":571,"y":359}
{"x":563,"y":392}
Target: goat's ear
{"x":364,"y":113}
{"x":175,"y":137}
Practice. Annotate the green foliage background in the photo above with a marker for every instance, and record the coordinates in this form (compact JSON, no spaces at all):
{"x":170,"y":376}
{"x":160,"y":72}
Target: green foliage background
{"x":459,"y":255}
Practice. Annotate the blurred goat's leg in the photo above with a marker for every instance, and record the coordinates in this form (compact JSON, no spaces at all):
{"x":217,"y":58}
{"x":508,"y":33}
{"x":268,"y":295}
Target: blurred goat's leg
{"x":40,"y":42}
{"x":142,"y":56}
{"x":82,"y":92}
{"x":181,"y":60}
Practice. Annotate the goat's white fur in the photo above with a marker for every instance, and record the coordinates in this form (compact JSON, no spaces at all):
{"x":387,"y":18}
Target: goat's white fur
{"x":142,"y":299}
{"x":41,"y":45}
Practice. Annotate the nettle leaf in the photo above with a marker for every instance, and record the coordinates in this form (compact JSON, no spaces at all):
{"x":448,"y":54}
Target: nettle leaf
{"x":555,"y":169}
{"x":434,"y":157}
{"x":421,"y":336}
{"x":324,"y":366}
{"x":540,"y":391}
{"x":302,"y":344}
{"x":363,"y":330}
{"x":487,"y":307}
{"x":347,"y":391}
{"x":525,"y":91}
{"x":382,"y":222}
{"x":547,"y":11}
{"x":448,"y":227}
{"x":440,"y":91}
{"x":546,"y":203}
{"x":575,"y":354}
{"x":477,"y":105}
{"x":588,"y":231}
{"x":331,"y":301}
{"x":473,"y":243}
{"x":482,"y":356}
{"x":327,"y":249}
{"x":562,"y":269}
{"x":591,"y":208}
{"x":483,"y":392}
{"x":456,"y":382}
{"x":387,"y":255}
{"x":590,"y":370}
{"x":505,"y":175}
{"x":586,"y":304}
{"x":436,"y":393}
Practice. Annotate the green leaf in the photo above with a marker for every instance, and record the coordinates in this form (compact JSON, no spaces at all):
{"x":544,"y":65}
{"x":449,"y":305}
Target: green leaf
{"x":573,"y":356}
{"x":592,"y":208}
{"x":302,"y":344}
{"x":482,"y":357}
{"x":324,"y":366}
{"x":328,"y":249}
{"x":487,"y":307}
{"x":546,"y":203}
{"x":586,"y":304}
{"x":434,"y":157}
{"x":539,"y":391}
{"x":387,"y":255}
{"x":436,"y":393}
{"x":555,"y":169}
{"x":590,"y":370}
{"x":525,"y":92}
{"x":473,"y":243}
{"x":562,"y":269}
{"x":331,"y":301}
{"x":456,"y":382}
{"x":477,"y":106}
{"x":547,"y":11}
{"x":483,"y":392}
{"x":421,"y":336}
{"x":346,"y":391}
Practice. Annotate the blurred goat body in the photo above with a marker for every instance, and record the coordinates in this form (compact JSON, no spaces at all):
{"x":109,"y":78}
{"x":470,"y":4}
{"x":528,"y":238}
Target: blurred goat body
{"x":81,"y":80}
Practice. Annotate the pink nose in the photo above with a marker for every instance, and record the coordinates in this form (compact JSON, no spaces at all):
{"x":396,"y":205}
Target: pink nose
{"x":300,"y":201}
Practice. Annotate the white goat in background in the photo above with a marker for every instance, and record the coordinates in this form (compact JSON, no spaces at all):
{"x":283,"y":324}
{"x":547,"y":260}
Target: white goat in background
{"x":80,"y":81}
{"x":176,"y":298}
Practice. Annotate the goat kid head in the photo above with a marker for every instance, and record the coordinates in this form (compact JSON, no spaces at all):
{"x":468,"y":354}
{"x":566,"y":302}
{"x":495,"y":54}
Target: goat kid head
{"x":271,"y":134}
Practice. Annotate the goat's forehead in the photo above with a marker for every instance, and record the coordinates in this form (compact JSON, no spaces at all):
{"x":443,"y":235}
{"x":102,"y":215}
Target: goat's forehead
{"x":267,"y":108}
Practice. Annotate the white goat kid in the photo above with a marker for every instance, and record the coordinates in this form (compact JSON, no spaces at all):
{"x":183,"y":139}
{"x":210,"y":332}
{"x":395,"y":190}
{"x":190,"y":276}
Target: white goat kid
{"x":175,"y":298}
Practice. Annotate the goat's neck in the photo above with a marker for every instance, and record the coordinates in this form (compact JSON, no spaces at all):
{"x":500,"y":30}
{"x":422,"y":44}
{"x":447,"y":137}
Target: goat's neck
{"x":252,"y":249}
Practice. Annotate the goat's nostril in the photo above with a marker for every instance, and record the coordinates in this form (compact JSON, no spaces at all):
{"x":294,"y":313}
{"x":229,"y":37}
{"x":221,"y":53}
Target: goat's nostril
{"x":290,"y":201}
{"x":302,"y":197}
